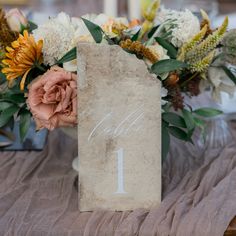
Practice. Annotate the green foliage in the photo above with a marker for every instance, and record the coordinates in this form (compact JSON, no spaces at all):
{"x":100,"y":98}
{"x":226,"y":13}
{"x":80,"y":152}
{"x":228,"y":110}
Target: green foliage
{"x":174,"y":119}
{"x":229,"y":73}
{"x":136,"y":36}
{"x":69,"y":56}
{"x":165,"y":66}
{"x":25,"y":120}
{"x":95,"y":30}
{"x":171,"y":50}
{"x":189,"y":121}
{"x":32,"y":26}
{"x":165,"y":140}
{"x":178,"y":133}
{"x":7,"y":114}
{"x":208,"y":112}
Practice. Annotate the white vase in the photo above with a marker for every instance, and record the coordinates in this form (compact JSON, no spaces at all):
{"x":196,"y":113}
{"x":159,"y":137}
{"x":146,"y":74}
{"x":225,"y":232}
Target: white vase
{"x":73,"y":133}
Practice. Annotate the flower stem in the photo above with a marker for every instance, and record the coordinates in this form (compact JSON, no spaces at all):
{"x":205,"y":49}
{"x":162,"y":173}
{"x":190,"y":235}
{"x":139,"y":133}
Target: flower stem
{"x":186,"y":81}
{"x":39,"y":67}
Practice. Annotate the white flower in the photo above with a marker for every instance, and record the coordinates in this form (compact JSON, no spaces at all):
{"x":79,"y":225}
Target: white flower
{"x":58,"y":37}
{"x":82,"y":33}
{"x":159,"y":51}
{"x":186,"y":25}
{"x":164,"y":93}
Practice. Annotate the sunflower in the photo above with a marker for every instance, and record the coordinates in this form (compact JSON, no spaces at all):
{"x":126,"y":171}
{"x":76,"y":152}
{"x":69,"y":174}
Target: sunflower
{"x":23,"y":55}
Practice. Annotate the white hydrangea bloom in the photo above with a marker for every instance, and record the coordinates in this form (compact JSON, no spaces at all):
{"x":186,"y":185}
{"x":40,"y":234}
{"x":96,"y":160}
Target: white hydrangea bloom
{"x":58,"y":37}
{"x":186,"y":25}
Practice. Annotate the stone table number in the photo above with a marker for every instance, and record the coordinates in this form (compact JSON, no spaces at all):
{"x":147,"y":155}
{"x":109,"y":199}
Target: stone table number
{"x":119,"y":130}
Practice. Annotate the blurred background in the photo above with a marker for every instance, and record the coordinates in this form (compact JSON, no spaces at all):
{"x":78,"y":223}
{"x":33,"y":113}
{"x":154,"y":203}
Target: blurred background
{"x":39,"y":10}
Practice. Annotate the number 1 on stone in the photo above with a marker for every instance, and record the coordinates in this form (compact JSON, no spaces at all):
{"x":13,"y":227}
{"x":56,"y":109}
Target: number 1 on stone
{"x":120,"y":171}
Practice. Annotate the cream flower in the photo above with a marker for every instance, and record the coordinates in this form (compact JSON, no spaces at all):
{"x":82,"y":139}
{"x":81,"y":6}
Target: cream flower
{"x":58,"y":37}
{"x":183,"y":25}
{"x":219,"y":82}
{"x":164,"y":93}
{"x":159,"y":51}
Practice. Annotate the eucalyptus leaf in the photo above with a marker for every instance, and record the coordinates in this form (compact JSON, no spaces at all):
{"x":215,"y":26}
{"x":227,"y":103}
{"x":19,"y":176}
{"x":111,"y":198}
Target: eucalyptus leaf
{"x":32,"y":26}
{"x":188,"y":117}
{"x":165,"y":141}
{"x":6,"y":115}
{"x":5,"y":105}
{"x":165,"y":66}
{"x":95,"y":30}
{"x":229,"y":73}
{"x":135,"y":36}
{"x":25,"y":119}
{"x":152,"y":31}
{"x":69,"y":56}
{"x":171,"y":50}
{"x":208,"y":112}
{"x":174,"y":119}
{"x":178,"y":133}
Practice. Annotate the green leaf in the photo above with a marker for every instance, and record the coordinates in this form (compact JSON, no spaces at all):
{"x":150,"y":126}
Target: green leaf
{"x":135,"y":36}
{"x":178,"y":133}
{"x":229,"y":73}
{"x":202,"y":125}
{"x":174,"y":119}
{"x":165,"y":66}
{"x":165,"y":141}
{"x":94,"y":29}
{"x":25,"y":119}
{"x":208,"y":112}
{"x":152,"y":31}
{"x":32,"y":26}
{"x":5,"y":105}
{"x":6,"y":115}
{"x":171,"y":50}
{"x":71,"y":55}
{"x":2,"y":78}
{"x":188,"y":117}
{"x":14,"y":98}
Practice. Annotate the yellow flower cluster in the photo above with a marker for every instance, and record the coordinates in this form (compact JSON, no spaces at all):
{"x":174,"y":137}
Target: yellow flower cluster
{"x":199,"y":50}
{"x":139,"y":49}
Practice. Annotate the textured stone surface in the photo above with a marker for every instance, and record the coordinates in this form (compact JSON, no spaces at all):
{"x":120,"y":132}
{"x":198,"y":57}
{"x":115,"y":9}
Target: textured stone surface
{"x":119,"y":130}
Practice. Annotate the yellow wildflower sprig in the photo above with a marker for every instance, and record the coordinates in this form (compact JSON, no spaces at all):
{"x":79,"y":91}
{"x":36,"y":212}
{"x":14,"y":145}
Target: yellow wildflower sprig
{"x":139,"y":49}
{"x":203,"y":64}
{"x":187,"y":47}
{"x":149,"y":14}
{"x":206,"y":46}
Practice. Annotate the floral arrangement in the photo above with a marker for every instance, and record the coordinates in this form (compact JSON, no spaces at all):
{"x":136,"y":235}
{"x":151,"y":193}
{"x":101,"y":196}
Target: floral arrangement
{"x":38,"y":64}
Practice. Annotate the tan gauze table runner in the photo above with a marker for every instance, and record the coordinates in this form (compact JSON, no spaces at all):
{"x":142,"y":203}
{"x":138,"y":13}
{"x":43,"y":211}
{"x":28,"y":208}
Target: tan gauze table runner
{"x":37,"y":196}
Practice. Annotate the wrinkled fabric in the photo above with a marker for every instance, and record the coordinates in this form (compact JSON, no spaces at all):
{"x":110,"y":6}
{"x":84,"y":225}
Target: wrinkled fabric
{"x":38,"y":197}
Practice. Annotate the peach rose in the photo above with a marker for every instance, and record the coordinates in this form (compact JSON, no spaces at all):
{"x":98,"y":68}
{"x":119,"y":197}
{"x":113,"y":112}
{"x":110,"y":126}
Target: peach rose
{"x":52,"y":99}
{"x":16,"y":20}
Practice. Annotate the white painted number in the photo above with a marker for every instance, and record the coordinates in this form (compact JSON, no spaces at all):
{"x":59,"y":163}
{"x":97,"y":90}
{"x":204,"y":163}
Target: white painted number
{"x":120,"y":171}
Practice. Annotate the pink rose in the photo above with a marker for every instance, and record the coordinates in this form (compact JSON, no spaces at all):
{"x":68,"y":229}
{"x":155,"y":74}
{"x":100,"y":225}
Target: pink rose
{"x":16,"y":20}
{"x":52,"y":99}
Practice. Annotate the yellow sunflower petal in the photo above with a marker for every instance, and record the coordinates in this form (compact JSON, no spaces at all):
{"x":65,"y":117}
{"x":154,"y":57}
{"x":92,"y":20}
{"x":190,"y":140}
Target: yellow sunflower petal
{"x":22,"y":83}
